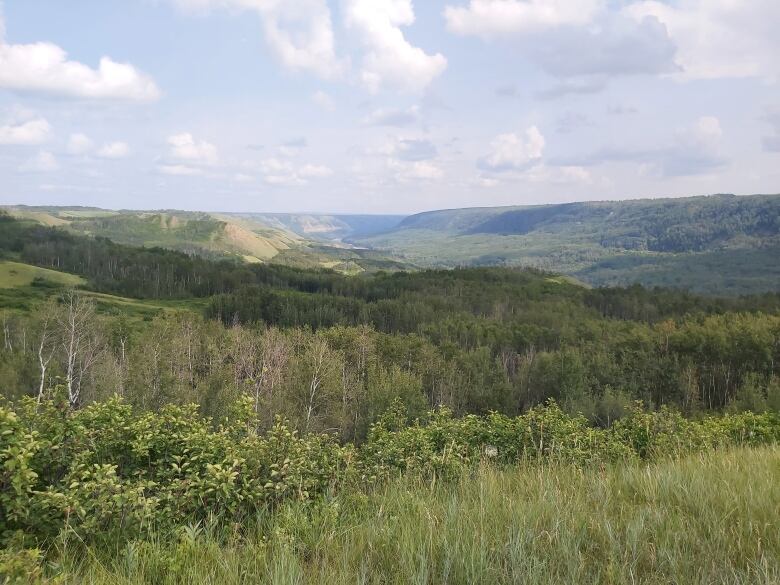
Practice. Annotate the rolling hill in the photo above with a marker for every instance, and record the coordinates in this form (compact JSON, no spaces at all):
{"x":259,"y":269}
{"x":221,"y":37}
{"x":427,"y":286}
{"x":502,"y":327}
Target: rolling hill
{"x":306,"y":241}
{"x":189,"y":232}
{"x":720,"y":244}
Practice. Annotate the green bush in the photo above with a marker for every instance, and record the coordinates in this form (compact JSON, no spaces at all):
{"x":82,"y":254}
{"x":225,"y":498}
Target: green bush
{"x":105,"y":473}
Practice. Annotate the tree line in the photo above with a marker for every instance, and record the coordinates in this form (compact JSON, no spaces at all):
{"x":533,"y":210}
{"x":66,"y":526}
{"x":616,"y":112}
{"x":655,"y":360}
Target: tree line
{"x":339,"y":379}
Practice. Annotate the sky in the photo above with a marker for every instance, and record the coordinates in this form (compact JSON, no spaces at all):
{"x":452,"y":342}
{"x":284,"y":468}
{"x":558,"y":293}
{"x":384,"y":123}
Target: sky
{"x":385,"y":106}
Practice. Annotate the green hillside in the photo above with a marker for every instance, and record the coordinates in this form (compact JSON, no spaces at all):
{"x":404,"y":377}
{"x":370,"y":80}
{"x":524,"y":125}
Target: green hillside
{"x":721,"y":244}
{"x":16,"y":274}
{"x":190,"y":232}
{"x":287,"y":239}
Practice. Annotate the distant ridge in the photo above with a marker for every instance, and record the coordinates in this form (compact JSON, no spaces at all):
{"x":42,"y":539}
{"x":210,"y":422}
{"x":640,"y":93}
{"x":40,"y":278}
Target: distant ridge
{"x":650,"y":241}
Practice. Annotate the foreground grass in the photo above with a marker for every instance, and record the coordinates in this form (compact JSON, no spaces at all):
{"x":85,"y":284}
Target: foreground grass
{"x":709,"y":519}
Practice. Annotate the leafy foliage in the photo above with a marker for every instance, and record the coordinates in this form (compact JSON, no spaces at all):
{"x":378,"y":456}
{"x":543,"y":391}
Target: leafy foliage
{"x":107,"y":474}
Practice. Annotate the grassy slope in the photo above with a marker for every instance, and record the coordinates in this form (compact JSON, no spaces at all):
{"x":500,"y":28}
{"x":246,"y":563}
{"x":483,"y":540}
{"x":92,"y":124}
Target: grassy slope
{"x":17,"y":293}
{"x":16,"y":274}
{"x":251,"y":237}
{"x":187,"y":231}
{"x":709,"y":519}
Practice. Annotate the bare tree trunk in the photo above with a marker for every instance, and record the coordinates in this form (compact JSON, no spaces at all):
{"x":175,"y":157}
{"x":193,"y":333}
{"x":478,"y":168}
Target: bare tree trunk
{"x":80,"y":346}
{"x":316,"y":379}
{"x":123,"y":364}
{"x":43,"y":359}
{"x":7,"y":334}
{"x":72,"y":341}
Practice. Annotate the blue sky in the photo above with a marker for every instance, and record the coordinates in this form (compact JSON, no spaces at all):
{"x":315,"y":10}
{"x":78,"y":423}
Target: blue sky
{"x":376,"y":106}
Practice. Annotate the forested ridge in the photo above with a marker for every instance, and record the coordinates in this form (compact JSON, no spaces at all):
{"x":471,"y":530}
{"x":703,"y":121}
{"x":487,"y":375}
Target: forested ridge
{"x":672,"y":225}
{"x":719,"y":244}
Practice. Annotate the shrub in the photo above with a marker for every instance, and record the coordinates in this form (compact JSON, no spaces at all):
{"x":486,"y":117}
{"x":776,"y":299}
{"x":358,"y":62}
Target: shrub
{"x":105,"y":472}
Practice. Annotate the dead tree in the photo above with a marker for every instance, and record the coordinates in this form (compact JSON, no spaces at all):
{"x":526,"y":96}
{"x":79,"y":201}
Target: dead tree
{"x":46,"y":348}
{"x":79,"y":341}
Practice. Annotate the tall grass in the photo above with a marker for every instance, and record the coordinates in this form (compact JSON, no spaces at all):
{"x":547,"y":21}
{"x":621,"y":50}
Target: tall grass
{"x":708,"y":519}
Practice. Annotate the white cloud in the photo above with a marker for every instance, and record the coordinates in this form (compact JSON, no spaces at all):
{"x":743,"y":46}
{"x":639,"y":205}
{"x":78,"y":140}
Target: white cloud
{"x":694,"y":39}
{"x":394,"y":117}
{"x":185,"y":147}
{"x":411,"y":149}
{"x":612,"y":45}
{"x":572,"y":121}
{"x":621,"y":110}
{"x":488,"y":18}
{"x":486,"y":181}
{"x":410,"y":159}
{"x":707,"y":129}
{"x":720,"y":38}
{"x":510,"y":152}
{"x":694,"y":150}
{"x":31,"y":132}
{"x":315,"y":171}
{"x":43,"y":162}
{"x":582,"y":43}
{"x":114,"y":150}
{"x":520,"y":157}
{"x":299,"y":32}
{"x":323,"y":100}
{"x":391,"y":60}
{"x":415,"y":171}
{"x":564,"y":175}
{"x":292,"y":147}
{"x":270,"y":166}
{"x":574,"y":86}
{"x":291,"y":180}
{"x":284,"y":173}
{"x":45,"y":68}
{"x":79,"y":144}
{"x":179,"y":170}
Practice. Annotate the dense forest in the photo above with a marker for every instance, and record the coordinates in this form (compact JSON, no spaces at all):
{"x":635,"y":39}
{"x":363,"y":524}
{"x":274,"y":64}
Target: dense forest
{"x":331,"y":352}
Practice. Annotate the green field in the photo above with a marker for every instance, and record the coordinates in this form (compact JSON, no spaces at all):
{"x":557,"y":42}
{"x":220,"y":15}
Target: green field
{"x":16,"y":274}
{"x":708,"y":519}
